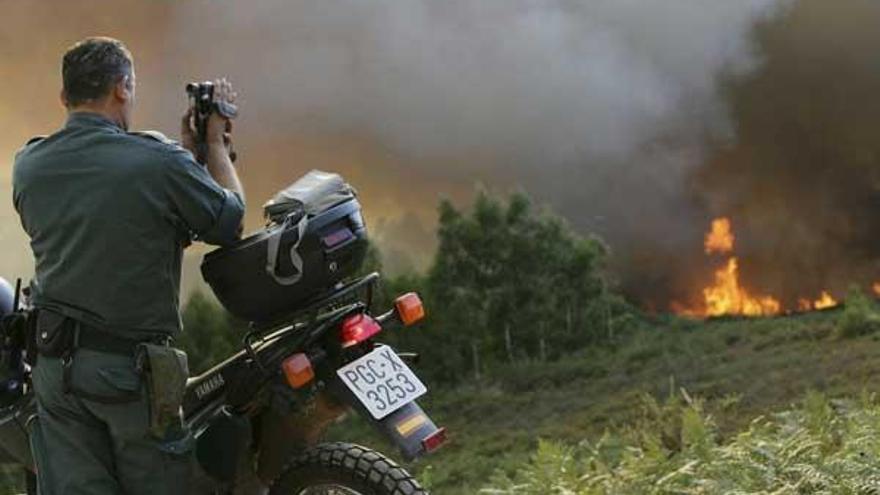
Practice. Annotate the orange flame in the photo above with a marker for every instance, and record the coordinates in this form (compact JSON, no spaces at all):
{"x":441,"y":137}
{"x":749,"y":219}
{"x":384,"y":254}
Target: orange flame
{"x":825,"y":301}
{"x":720,"y":239}
{"x":727,"y":296}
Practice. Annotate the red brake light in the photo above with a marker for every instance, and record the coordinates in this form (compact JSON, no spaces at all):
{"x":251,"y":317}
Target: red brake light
{"x":433,"y":441}
{"x":298,"y":370}
{"x":409,"y":308}
{"x":358,"y":328}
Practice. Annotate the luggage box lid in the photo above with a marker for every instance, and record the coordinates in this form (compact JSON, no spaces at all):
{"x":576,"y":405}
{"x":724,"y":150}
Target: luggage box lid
{"x":314,"y":193}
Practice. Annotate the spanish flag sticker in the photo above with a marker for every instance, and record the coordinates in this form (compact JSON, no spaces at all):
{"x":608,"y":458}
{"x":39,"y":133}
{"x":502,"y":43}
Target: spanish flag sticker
{"x":411,"y":424}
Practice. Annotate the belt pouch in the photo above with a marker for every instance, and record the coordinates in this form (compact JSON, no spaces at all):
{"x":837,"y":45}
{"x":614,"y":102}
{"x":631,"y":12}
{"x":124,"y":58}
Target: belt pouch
{"x":166,"y":371}
{"x":54,"y":334}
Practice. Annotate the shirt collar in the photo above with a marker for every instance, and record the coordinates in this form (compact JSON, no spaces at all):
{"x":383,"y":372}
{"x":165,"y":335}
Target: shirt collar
{"x":90,"y":119}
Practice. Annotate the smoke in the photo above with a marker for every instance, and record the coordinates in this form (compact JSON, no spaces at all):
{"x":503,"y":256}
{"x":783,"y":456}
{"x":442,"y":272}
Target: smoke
{"x":801,"y":179}
{"x":525,"y":82}
{"x":601,"y":108}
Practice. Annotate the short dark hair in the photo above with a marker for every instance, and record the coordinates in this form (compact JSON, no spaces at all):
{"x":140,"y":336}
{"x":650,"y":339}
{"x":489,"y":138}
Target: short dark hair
{"x":92,"y":66}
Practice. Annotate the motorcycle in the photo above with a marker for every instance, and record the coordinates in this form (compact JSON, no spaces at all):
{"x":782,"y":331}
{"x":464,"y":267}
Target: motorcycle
{"x":258,"y":417}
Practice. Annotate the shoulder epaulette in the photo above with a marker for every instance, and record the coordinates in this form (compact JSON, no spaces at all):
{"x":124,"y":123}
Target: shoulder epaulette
{"x":35,"y":139}
{"x":155,"y":136}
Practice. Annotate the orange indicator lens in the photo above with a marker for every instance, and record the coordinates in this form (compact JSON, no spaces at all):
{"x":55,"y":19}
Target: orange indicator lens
{"x":298,"y":370}
{"x":409,"y":308}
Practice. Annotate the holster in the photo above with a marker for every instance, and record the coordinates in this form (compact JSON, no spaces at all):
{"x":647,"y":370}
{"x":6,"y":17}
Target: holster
{"x":166,"y":371}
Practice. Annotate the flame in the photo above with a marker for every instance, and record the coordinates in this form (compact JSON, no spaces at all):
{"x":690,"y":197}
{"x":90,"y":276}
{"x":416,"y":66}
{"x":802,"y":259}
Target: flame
{"x":720,"y":239}
{"x":727,"y":295}
{"x":825,"y":301}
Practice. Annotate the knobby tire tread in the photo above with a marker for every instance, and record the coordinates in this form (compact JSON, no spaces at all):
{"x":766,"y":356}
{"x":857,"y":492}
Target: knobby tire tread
{"x":363,"y":468}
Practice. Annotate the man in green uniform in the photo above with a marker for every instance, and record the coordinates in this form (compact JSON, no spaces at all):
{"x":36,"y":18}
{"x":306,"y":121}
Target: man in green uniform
{"x":108,"y":213}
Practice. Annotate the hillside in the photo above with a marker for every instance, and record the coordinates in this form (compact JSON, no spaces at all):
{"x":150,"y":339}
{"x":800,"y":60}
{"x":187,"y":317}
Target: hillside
{"x":741,"y":368}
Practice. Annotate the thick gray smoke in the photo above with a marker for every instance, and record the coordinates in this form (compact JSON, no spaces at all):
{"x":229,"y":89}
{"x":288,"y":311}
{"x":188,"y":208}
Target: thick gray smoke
{"x":550,"y":80}
{"x":522,"y":83}
{"x":600,"y":107}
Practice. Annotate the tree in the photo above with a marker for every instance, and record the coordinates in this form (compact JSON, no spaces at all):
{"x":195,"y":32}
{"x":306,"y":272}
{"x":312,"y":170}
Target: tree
{"x":512,"y":282}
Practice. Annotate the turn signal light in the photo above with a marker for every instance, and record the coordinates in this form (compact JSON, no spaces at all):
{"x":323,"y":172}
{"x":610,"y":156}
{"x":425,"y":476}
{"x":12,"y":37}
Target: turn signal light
{"x":298,"y":370}
{"x":433,"y":441}
{"x":409,"y":308}
{"x":358,"y":328}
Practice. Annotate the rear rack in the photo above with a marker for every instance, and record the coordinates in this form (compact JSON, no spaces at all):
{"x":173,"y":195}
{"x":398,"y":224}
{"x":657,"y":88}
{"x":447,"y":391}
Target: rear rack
{"x":313,"y":307}
{"x":309,"y":313}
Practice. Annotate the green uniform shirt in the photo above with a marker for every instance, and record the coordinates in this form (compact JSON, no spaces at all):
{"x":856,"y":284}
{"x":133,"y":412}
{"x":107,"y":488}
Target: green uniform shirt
{"x":109,"y":213}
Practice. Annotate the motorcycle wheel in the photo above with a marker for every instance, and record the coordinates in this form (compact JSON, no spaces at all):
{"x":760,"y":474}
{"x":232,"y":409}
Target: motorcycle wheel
{"x":344,"y":469}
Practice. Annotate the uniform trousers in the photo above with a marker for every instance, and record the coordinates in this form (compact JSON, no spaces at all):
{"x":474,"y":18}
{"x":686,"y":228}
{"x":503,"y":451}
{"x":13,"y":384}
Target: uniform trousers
{"x":101,"y":447}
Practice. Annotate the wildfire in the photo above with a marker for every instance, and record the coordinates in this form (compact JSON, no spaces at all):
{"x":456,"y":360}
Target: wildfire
{"x":727,"y":296}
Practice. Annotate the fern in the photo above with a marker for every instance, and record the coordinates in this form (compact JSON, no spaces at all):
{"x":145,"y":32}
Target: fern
{"x":821,"y":447}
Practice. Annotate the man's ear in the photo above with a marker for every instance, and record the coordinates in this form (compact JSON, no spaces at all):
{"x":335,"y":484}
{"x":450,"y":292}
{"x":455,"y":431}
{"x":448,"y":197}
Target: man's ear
{"x":63,"y":98}
{"x":123,"y":90}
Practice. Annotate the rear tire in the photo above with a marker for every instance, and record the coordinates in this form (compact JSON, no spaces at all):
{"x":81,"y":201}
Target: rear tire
{"x":344,"y":466}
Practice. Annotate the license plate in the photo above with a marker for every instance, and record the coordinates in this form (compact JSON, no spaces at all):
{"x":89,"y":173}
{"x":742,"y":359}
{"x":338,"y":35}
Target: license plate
{"x":382,"y":381}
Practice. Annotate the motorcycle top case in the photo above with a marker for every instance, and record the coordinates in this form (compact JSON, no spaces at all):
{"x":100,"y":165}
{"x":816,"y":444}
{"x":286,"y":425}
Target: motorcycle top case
{"x":315,"y":238}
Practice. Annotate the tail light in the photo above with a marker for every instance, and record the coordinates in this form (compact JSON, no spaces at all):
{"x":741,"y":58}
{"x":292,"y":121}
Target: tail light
{"x":409,"y":308}
{"x":358,"y":328}
{"x":298,"y":370}
{"x":433,"y":441}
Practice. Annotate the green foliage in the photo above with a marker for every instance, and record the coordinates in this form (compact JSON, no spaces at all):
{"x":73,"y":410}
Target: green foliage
{"x":860,"y":316}
{"x":820,"y":447}
{"x":510,"y":283}
{"x":742,"y":369}
{"x":210,"y":334}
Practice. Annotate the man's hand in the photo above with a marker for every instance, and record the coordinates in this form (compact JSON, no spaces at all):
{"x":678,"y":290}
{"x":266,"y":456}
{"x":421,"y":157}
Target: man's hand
{"x":188,"y":132}
{"x":219,"y":128}
{"x":219,"y":132}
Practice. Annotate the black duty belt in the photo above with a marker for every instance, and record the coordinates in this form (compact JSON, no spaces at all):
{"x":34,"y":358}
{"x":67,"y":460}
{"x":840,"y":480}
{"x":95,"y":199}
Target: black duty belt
{"x":102,"y":341}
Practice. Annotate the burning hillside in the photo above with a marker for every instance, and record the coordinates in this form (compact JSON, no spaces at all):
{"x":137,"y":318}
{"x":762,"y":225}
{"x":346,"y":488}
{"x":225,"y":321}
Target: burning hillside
{"x":728,"y":296}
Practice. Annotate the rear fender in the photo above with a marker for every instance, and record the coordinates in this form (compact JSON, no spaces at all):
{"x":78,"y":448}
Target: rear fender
{"x":405,"y":428}
{"x":282,"y":436}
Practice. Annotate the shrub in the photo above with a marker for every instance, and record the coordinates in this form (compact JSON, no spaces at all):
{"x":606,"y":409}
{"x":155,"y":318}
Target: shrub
{"x":859,"y":317}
